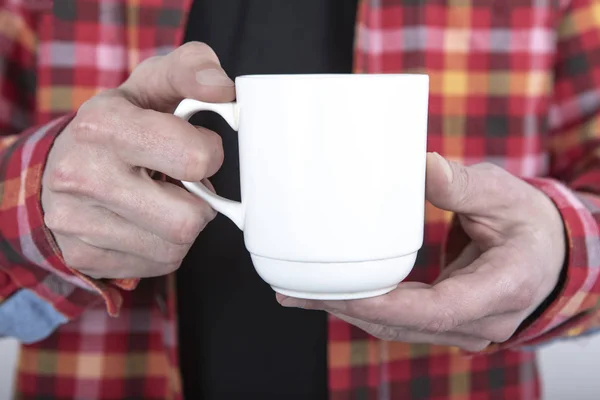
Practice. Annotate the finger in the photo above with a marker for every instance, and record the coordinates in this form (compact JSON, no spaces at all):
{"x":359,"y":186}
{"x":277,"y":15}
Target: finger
{"x":168,"y":211}
{"x":483,"y":189}
{"x":440,"y":308}
{"x":165,"y":143}
{"x":497,"y":328}
{"x":190,"y":71}
{"x":108,"y":264}
{"x":465,"y":342}
{"x":101,"y":228}
{"x":148,"y":139}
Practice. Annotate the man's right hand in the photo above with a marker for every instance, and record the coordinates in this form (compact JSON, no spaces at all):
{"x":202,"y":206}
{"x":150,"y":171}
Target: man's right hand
{"x":108,"y":216}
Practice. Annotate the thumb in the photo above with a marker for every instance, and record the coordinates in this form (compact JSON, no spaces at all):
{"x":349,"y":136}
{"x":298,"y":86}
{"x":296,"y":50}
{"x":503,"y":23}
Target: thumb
{"x":479,"y":189}
{"x":190,"y":71}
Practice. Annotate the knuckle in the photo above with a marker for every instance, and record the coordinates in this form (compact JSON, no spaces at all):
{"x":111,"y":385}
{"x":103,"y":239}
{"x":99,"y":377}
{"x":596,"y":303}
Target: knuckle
{"x":504,"y":184}
{"x":192,"y":52}
{"x":199,"y":164}
{"x":519,"y":295}
{"x":172,"y":254}
{"x":84,"y":125}
{"x":94,"y":119}
{"x":140,"y":68}
{"x":130,"y":88}
{"x":67,"y":178}
{"x":63,"y":177}
{"x":469,"y":185}
{"x":187,"y":229}
{"x":217,"y":154}
{"x":185,"y":61}
{"x":194,"y":164}
{"x":212,"y":156}
{"x":522,"y":298}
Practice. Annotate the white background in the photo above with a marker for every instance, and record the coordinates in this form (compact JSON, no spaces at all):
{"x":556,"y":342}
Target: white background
{"x":570,"y":370}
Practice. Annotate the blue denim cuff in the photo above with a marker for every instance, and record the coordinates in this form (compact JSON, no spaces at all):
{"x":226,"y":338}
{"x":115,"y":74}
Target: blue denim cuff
{"x":26,"y":317}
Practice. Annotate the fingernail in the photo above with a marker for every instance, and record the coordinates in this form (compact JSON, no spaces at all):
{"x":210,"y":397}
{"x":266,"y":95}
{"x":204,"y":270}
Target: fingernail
{"x":445,"y":166}
{"x":213,"y":77}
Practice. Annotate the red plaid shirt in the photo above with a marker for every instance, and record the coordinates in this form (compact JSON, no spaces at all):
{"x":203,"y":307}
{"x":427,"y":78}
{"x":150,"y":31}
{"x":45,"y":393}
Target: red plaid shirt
{"x":516,"y":83}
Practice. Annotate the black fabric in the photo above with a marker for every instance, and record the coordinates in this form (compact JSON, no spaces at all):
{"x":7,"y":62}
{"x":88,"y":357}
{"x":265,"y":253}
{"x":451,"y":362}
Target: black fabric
{"x":236,"y":341}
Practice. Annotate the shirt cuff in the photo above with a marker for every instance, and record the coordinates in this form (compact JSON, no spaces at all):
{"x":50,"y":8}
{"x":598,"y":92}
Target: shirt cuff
{"x":572,"y":309}
{"x":28,"y":318}
{"x":29,"y":256}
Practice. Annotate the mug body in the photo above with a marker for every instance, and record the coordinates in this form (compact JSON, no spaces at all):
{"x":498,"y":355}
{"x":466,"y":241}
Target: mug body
{"x":333,"y":171}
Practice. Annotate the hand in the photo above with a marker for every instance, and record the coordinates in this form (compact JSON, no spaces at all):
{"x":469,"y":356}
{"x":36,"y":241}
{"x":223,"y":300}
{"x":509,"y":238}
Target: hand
{"x":108,"y":216}
{"x":511,"y":265}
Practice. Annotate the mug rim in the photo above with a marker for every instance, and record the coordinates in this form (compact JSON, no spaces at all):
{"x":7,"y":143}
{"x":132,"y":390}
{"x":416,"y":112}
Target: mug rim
{"x":336,"y":76}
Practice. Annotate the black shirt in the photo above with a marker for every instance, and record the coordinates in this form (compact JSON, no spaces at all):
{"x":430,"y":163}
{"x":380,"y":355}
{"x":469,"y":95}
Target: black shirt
{"x":236,"y":341}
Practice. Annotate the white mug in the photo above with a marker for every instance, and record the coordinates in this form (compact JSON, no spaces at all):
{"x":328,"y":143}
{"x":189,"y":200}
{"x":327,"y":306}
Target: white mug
{"x":332,"y":171}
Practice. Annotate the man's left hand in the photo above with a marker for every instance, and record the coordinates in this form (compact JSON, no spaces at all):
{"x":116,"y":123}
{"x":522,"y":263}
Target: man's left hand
{"x":510,"y":266}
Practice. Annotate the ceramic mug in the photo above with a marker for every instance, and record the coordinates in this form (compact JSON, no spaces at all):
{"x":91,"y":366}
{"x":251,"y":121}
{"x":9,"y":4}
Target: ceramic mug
{"x":332,"y":171}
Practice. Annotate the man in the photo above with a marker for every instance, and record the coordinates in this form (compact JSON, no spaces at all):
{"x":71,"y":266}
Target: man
{"x":95,"y":228}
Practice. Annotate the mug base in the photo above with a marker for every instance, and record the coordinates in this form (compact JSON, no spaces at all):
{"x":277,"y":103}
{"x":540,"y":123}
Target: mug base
{"x":334,"y":281}
{"x":334,"y":296}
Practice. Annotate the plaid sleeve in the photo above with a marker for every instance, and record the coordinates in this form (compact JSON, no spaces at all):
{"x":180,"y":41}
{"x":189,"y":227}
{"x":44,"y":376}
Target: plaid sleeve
{"x":574,"y":184}
{"x":31,"y":266}
{"x":29,"y":257}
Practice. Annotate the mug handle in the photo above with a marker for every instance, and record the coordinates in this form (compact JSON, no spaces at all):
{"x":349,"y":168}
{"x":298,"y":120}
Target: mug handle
{"x":229,"y":111}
